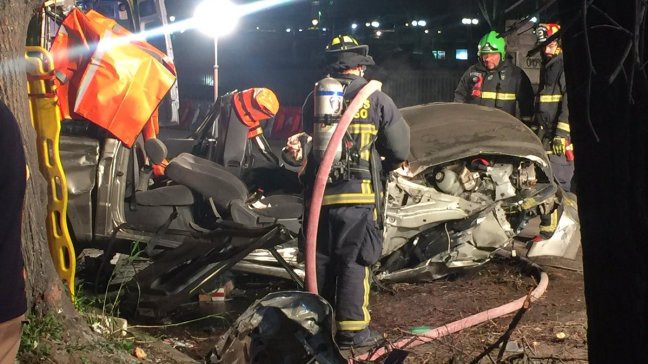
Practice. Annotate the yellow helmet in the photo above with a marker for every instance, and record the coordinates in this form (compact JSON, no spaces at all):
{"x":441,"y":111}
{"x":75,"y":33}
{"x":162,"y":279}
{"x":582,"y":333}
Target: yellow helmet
{"x":346,"y":43}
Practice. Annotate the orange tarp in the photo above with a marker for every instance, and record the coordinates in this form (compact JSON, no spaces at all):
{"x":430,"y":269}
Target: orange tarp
{"x":107,"y":76}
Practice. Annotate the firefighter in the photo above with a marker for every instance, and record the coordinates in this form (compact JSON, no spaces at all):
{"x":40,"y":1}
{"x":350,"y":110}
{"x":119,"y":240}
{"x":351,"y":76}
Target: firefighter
{"x":349,"y":240}
{"x":552,"y":119}
{"x":495,"y":81}
{"x":13,"y":302}
{"x":552,"y":115}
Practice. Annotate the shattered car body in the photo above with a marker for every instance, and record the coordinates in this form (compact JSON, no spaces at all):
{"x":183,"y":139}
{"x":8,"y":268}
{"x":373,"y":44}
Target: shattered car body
{"x":476,"y":177}
{"x":193,"y":217}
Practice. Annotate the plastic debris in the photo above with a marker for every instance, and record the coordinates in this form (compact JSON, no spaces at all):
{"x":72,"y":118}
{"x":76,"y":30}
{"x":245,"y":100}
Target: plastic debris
{"x":139,"y":353}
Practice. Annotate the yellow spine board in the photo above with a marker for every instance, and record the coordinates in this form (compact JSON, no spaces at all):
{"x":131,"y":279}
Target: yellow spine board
{"x":46,"y":118}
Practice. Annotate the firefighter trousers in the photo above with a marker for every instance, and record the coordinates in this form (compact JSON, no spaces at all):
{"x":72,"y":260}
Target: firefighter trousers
{"x":348,"y":243}
{"x":563,"y":170}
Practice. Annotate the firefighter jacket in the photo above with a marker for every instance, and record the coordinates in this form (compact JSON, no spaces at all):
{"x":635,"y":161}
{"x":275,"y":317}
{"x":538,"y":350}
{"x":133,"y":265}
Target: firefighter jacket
{"x":502,"y":88}
{"x":377,"y":127}
{"x":552,"y":114}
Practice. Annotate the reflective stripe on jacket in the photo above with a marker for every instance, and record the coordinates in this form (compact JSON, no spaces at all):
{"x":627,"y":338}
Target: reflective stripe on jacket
{"x":551,"y":107}
{"x":377,"y":126}
{"x":504,"y":88}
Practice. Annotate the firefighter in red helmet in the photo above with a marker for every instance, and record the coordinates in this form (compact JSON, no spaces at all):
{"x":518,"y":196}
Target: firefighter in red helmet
{"x":552,"y":117}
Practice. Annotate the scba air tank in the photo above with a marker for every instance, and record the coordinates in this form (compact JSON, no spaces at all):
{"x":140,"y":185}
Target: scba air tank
{"x":328,"y":103}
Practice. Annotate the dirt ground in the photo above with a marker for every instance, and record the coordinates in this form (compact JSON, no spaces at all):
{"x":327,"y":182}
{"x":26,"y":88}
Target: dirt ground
{"x":553,"y":330}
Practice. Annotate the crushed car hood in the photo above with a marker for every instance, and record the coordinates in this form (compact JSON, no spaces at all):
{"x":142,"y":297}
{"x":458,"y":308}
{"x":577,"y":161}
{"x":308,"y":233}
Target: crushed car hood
{"x":443,"y":132}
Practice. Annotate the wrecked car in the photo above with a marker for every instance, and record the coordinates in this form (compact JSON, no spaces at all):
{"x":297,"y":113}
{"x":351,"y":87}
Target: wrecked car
{"x":476,"y":177}
{"x":116,"y":187}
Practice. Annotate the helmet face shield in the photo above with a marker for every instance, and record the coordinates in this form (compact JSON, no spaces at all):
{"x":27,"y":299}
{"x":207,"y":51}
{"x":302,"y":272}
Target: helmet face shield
{"x":489,"y":48}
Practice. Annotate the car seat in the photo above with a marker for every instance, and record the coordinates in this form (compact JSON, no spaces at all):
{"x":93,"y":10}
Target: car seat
{"x":228,"y":193}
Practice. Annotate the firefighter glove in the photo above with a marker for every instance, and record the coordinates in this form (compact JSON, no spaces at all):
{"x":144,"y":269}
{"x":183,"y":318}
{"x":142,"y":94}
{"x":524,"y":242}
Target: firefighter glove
{"x":559,"y":145}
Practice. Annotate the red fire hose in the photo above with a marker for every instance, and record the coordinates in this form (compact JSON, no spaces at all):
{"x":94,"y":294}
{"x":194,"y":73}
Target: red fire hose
{"x":320,"y":183}
{"x":458,"y":325}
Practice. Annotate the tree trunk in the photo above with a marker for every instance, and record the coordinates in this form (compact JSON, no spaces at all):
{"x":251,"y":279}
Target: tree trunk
{"x":45,"y":291}
{"x":609,"y":122}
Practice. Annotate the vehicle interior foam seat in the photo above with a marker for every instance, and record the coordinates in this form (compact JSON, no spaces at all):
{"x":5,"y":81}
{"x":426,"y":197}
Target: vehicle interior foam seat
{"x":226,"y":190}
{"x":152,"y":207}
{"x":207,"y":178}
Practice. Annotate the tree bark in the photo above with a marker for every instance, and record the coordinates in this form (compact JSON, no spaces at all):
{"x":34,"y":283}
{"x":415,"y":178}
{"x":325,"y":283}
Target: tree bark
{"x":45,"y":291}
{"x":609,"y":123}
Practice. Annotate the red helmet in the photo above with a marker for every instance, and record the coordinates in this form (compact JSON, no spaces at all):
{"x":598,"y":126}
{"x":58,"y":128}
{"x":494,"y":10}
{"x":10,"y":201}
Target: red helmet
{"x":544,"y":31}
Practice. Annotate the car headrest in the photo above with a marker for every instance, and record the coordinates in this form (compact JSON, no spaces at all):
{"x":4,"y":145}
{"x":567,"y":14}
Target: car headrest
{"x":155,"y":150}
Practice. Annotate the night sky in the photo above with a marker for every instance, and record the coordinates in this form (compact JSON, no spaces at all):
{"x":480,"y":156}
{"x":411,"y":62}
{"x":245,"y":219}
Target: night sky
{"x":290,"y":62}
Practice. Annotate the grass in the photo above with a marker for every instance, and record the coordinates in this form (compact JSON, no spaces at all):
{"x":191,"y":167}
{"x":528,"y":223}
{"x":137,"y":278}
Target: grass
{"x":38,"y":331}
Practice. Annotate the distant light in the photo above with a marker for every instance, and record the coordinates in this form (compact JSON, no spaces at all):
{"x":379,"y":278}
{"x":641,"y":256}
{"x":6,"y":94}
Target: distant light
{"x":465,"y":21}
{"x":426,"y":31}
{"x":288,"y":30}
{"x":407,"y":24}
{"x":422,"y":23}
{"x":314,"y":22}
{"x":172,"y":18}
{"x":258,"y":28}
{"x":354,"y":26}
{"x":375,"y":24}
{"x":534,"y":20}
{"x":475,"y":21}
{"x":301,"y":30}
{"x":323,"y":29}
{"x":217,"y":18}
{"x":438,"y":32}
{"x":378,"y":33}
{"x":414,"y":23}
{"x":367,"y":24}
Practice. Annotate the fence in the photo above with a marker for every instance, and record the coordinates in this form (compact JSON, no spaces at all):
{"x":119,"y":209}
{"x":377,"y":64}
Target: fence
{"x":421,"y":87}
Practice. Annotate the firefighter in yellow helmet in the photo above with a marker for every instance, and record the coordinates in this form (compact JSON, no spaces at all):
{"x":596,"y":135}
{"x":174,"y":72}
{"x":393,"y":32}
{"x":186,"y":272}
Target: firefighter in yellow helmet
{"x":349,"y":240}
{"x":495,"y":81}
{"x":552,"y":118}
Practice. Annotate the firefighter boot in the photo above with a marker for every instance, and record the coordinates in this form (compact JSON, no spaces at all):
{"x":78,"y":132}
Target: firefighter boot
{"x":359,"y":339}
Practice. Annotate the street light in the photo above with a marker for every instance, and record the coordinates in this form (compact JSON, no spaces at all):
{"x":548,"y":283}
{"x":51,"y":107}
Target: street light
{"x":216,"y":19}
{"x":469,"y":21}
